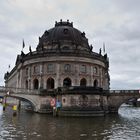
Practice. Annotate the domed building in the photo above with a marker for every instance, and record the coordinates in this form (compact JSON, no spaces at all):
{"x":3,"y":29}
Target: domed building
{"x":63,"y":58}
{"x":63,"y":69}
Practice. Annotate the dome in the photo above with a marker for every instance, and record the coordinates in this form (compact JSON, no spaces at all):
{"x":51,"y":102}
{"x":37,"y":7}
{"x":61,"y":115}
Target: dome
{"x":63,"y":35}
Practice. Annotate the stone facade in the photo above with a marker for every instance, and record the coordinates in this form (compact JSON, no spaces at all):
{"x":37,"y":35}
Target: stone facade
{"x":63,"y":68}
{"x":63,"y":57}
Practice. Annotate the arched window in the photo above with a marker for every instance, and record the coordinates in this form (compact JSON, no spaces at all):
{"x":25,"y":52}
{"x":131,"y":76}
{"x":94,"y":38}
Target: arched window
{"x":26,"y":84}
{"x":67,"y":82}
{"x":95,"y":83}
{"x":50,"y":83}
{"x":36,"y":84}
{"x":83,"y":82}
{"x":27,"y":71}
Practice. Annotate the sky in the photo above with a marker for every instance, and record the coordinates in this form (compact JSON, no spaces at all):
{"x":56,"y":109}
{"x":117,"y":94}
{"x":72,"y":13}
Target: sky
{"x":113,"y":22}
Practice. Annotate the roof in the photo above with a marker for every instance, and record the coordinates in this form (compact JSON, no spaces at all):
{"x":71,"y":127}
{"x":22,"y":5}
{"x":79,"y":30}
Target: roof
{"x":63,"y":36}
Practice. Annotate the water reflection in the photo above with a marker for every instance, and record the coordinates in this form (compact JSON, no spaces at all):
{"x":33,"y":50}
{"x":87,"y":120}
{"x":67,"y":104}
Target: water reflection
{"x":32,"y":126}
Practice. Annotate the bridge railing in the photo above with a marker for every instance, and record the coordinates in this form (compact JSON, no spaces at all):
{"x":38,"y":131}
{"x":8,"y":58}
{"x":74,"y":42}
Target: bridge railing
{"x":124,"y":91}
{"x":9,"y":90}
{"x":32,"y":91}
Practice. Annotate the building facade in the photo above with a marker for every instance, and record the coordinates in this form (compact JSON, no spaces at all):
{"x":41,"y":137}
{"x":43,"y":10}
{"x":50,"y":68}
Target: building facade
{"x":63,"y":58}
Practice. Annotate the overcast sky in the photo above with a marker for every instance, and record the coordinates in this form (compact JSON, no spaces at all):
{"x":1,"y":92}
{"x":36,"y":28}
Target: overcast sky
{"x":115,"y":22}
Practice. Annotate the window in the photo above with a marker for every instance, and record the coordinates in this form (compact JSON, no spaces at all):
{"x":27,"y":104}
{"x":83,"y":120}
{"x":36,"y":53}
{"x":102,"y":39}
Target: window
{"x":36,"y":84}
{"x":95,"y":83}
{"x":36,"y":69}
{"x":27,"y":70}
{"x":67,"y":67}
{"x":50,"y":83}
{"x":65,"y":31}
{"x":50,"y":68}
{"x":83,"y":68}
{"x":26,"y":84}
{"x":83,"y":82}
{"x":67,"y":82}
{"x":95,"y":70}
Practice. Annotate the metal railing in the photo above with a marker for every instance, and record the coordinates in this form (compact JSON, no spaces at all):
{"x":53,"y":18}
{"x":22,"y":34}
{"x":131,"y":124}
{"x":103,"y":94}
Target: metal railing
{"x":39,"y":91}
{"x":124,"y":91}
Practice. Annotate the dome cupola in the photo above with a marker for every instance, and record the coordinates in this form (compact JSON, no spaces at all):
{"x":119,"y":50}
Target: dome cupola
{"x":63,"y":37}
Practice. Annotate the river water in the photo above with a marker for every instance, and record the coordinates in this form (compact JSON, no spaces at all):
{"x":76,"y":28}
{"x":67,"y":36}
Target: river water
{"x":33,"y":126}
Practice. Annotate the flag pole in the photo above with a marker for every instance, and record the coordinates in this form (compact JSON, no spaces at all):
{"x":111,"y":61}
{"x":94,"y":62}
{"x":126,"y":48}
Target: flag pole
{"x":23,"y":45}
{"x":9,"y":67}
{"x":104,"y":47}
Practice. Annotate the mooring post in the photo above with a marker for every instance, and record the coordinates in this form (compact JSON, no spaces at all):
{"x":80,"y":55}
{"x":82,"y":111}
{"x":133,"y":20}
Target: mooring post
{"x":54,"y":111}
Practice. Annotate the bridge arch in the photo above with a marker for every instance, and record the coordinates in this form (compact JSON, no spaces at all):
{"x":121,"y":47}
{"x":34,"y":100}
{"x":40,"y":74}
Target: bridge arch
{"x":115,"y":100}
{"x":25,"y":99}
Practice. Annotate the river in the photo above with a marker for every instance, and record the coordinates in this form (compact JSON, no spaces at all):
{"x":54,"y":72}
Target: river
{"x":33,"y":126}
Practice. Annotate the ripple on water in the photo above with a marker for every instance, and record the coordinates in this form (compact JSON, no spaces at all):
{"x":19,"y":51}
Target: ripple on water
{"x":83,"y":135}
{"x":4,"y":133}
{"x":125,"y":126}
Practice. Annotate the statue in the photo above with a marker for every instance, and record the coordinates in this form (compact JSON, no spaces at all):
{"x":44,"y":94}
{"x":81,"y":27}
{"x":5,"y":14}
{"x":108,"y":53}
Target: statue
{"x":30,"y":49}
{"x":91,"y":47}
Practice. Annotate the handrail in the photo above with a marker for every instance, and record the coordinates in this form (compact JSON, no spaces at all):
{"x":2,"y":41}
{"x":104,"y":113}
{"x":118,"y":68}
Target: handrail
{"x":37,"y":91}
{"x":124,"y":91}
{"x":18,"y":90}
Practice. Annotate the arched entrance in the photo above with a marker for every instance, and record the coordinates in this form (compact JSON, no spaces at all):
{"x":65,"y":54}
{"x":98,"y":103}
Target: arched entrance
{"x":36,"y":84}
{"x":95,"y":83}
{"x":67,"y":82}
{"x":50,"y":83}
{"x":83,"y":82}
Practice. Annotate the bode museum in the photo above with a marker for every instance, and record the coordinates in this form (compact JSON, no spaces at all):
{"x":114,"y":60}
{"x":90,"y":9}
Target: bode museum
{"x":63,"y":61}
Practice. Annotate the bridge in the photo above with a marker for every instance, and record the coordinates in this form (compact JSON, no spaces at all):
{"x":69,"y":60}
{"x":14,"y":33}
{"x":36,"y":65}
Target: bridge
{"x":33,"y":97}
{"x":116,"y":98}
{"x":72,"y":99}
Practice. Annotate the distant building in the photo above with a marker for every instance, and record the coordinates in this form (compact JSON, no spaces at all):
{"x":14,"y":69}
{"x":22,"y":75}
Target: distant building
{"x":63,"y":58}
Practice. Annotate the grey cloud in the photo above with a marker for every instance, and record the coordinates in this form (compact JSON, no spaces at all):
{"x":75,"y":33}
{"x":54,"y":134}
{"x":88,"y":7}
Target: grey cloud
{"x":114,"y":22}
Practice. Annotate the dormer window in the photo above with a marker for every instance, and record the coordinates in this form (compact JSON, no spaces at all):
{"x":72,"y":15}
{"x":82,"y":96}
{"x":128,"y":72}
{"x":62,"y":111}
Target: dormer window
{"x":65,"y":31}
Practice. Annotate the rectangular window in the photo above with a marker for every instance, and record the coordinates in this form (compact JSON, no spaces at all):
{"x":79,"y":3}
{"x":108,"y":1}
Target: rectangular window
{"x":35,"y":69}
{"x":27,"y":71}
{"x":83,"y":68}
{"x":95,"y":70}
{"x":50,"y":68}
{"x":67,"y":67}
